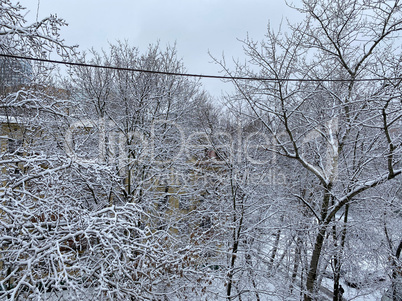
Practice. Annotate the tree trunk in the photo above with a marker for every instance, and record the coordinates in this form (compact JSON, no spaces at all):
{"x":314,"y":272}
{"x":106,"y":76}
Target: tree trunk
{"x":296,"y":261}
{"x":395,"y":273}
{"x":230,"y":274}
{"x":315,"y":258}
{"x":274,"y":251}
{"x":337,"y":296}
{"x":236,"y":240}
{"x":319,"y":242}
{"x":337,"y":259}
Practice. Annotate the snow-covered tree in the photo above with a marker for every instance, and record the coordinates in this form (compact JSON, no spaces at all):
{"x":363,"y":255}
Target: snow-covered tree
{"x":73,"y":225}
{"x":331,"y":104}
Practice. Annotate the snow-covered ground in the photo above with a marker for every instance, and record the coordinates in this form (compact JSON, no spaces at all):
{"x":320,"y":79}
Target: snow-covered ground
{"x":356,"y":294}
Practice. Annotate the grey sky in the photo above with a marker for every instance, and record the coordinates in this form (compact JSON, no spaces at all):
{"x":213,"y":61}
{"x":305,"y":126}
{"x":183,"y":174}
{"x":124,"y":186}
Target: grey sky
{"x":197,"y":26}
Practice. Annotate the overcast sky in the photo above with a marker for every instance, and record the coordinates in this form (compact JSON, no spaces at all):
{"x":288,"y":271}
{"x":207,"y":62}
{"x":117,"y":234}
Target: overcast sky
{"x":197,"y":26}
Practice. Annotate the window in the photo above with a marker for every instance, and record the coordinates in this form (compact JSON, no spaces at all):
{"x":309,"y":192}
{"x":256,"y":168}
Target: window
{"x":14,"y":145}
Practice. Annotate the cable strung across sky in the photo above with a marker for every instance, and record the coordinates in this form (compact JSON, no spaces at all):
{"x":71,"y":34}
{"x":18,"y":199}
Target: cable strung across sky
{"x":193,"y":75}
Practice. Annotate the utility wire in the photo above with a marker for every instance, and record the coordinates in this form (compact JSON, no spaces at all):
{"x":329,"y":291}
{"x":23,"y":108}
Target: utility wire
{"x":192,"y":75}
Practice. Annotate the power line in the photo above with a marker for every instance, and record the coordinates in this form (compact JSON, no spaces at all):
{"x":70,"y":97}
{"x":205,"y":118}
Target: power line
{"x":190,"y":74}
